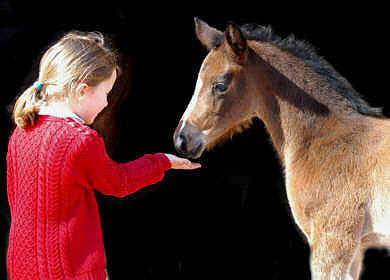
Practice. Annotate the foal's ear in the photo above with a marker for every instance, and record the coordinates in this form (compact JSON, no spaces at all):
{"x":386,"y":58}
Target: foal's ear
{"x":208,"y":36}
{"x":236,"y":42}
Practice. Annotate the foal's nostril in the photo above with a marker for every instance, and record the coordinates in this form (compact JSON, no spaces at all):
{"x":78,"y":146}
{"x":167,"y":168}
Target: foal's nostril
{"x":182,"y":143}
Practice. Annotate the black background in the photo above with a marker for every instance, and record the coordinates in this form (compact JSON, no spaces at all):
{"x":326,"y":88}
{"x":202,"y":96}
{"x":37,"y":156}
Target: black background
{"x":231,"y":218}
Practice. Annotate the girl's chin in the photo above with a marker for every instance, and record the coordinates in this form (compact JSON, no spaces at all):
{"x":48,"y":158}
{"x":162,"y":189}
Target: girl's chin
{"x":90,"y":120}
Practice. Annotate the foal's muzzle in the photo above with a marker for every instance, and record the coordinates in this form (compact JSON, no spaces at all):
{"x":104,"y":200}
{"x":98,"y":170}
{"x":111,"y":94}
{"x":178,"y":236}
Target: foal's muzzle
{"x":188,"y":141}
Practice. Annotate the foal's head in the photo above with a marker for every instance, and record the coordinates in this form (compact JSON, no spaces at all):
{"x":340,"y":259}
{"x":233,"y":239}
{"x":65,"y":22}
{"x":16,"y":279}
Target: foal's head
{"x":222,"y":102}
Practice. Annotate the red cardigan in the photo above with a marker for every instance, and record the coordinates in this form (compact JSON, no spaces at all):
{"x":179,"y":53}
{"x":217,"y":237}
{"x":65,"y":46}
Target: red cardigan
{"x":53,"y":169}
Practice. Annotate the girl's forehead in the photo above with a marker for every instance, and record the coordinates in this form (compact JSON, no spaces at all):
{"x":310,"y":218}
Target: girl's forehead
{"x":113,"y":77}
{"x":107,"y":83}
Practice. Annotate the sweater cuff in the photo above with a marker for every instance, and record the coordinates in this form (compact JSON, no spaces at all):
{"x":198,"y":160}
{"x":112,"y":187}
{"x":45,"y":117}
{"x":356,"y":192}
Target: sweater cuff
{"x":164,"y":161}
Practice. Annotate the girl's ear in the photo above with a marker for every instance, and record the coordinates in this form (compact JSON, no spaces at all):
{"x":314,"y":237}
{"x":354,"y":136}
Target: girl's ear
{"x":81,"y":90}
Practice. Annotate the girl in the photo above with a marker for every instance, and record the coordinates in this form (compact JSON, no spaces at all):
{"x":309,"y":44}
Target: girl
{"x":55,"y":162}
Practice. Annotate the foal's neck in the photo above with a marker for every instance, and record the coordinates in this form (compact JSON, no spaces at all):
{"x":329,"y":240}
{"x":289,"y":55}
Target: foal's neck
{"x":295,"y":103}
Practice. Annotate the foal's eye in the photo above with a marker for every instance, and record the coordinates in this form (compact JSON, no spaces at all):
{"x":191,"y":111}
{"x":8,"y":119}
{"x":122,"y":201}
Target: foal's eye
{"x":220,"y":88}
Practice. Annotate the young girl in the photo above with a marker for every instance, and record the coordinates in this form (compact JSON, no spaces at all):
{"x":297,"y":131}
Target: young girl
{"x":55,"y":162}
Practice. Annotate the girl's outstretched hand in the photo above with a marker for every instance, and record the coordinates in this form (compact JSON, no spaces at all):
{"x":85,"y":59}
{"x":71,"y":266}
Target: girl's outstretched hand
{"x":182,"y":163}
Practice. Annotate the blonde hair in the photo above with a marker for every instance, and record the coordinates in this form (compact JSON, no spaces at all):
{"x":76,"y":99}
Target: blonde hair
{"x":76,"y":57}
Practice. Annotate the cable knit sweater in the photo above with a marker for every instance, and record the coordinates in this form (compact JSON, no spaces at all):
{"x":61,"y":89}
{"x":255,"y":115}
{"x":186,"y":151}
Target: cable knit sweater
{"x":53,"y":169}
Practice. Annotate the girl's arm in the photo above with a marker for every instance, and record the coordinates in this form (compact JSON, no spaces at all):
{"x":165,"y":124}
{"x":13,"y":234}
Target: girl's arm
{"x":94,"y":169}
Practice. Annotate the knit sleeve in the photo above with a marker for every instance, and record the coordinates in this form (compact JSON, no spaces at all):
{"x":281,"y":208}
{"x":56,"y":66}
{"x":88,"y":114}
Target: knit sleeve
{"x":96,"y":170}
{"x":10,"y":177}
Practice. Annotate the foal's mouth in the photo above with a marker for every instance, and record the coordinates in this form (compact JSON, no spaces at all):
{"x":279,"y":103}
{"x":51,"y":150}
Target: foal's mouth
{"x":194,"y":153}
{"x":189,"y":141}
{"x":197,"y":152}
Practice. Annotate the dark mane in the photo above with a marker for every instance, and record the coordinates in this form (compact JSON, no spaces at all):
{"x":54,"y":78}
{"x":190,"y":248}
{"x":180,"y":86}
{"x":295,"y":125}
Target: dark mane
{"x":308,"y":54}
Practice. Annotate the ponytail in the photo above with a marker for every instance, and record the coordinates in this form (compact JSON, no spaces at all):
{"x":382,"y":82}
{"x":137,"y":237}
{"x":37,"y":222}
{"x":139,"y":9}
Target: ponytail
{"x":27,"y":107}
{"x":77,"y":56}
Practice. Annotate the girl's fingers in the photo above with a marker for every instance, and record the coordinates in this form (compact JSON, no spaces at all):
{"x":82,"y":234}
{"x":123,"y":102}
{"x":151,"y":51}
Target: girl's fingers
{"x":196,"y":165}
{"x":187,"y":164}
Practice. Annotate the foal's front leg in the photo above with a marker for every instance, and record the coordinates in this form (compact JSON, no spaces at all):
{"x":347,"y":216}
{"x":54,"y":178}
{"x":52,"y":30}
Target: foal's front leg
{"x":329,"y":263}
{"x":334,"y":246}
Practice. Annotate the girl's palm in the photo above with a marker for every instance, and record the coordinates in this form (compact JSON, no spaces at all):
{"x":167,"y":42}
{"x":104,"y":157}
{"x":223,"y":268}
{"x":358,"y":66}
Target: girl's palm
{"x":182,"y":163}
